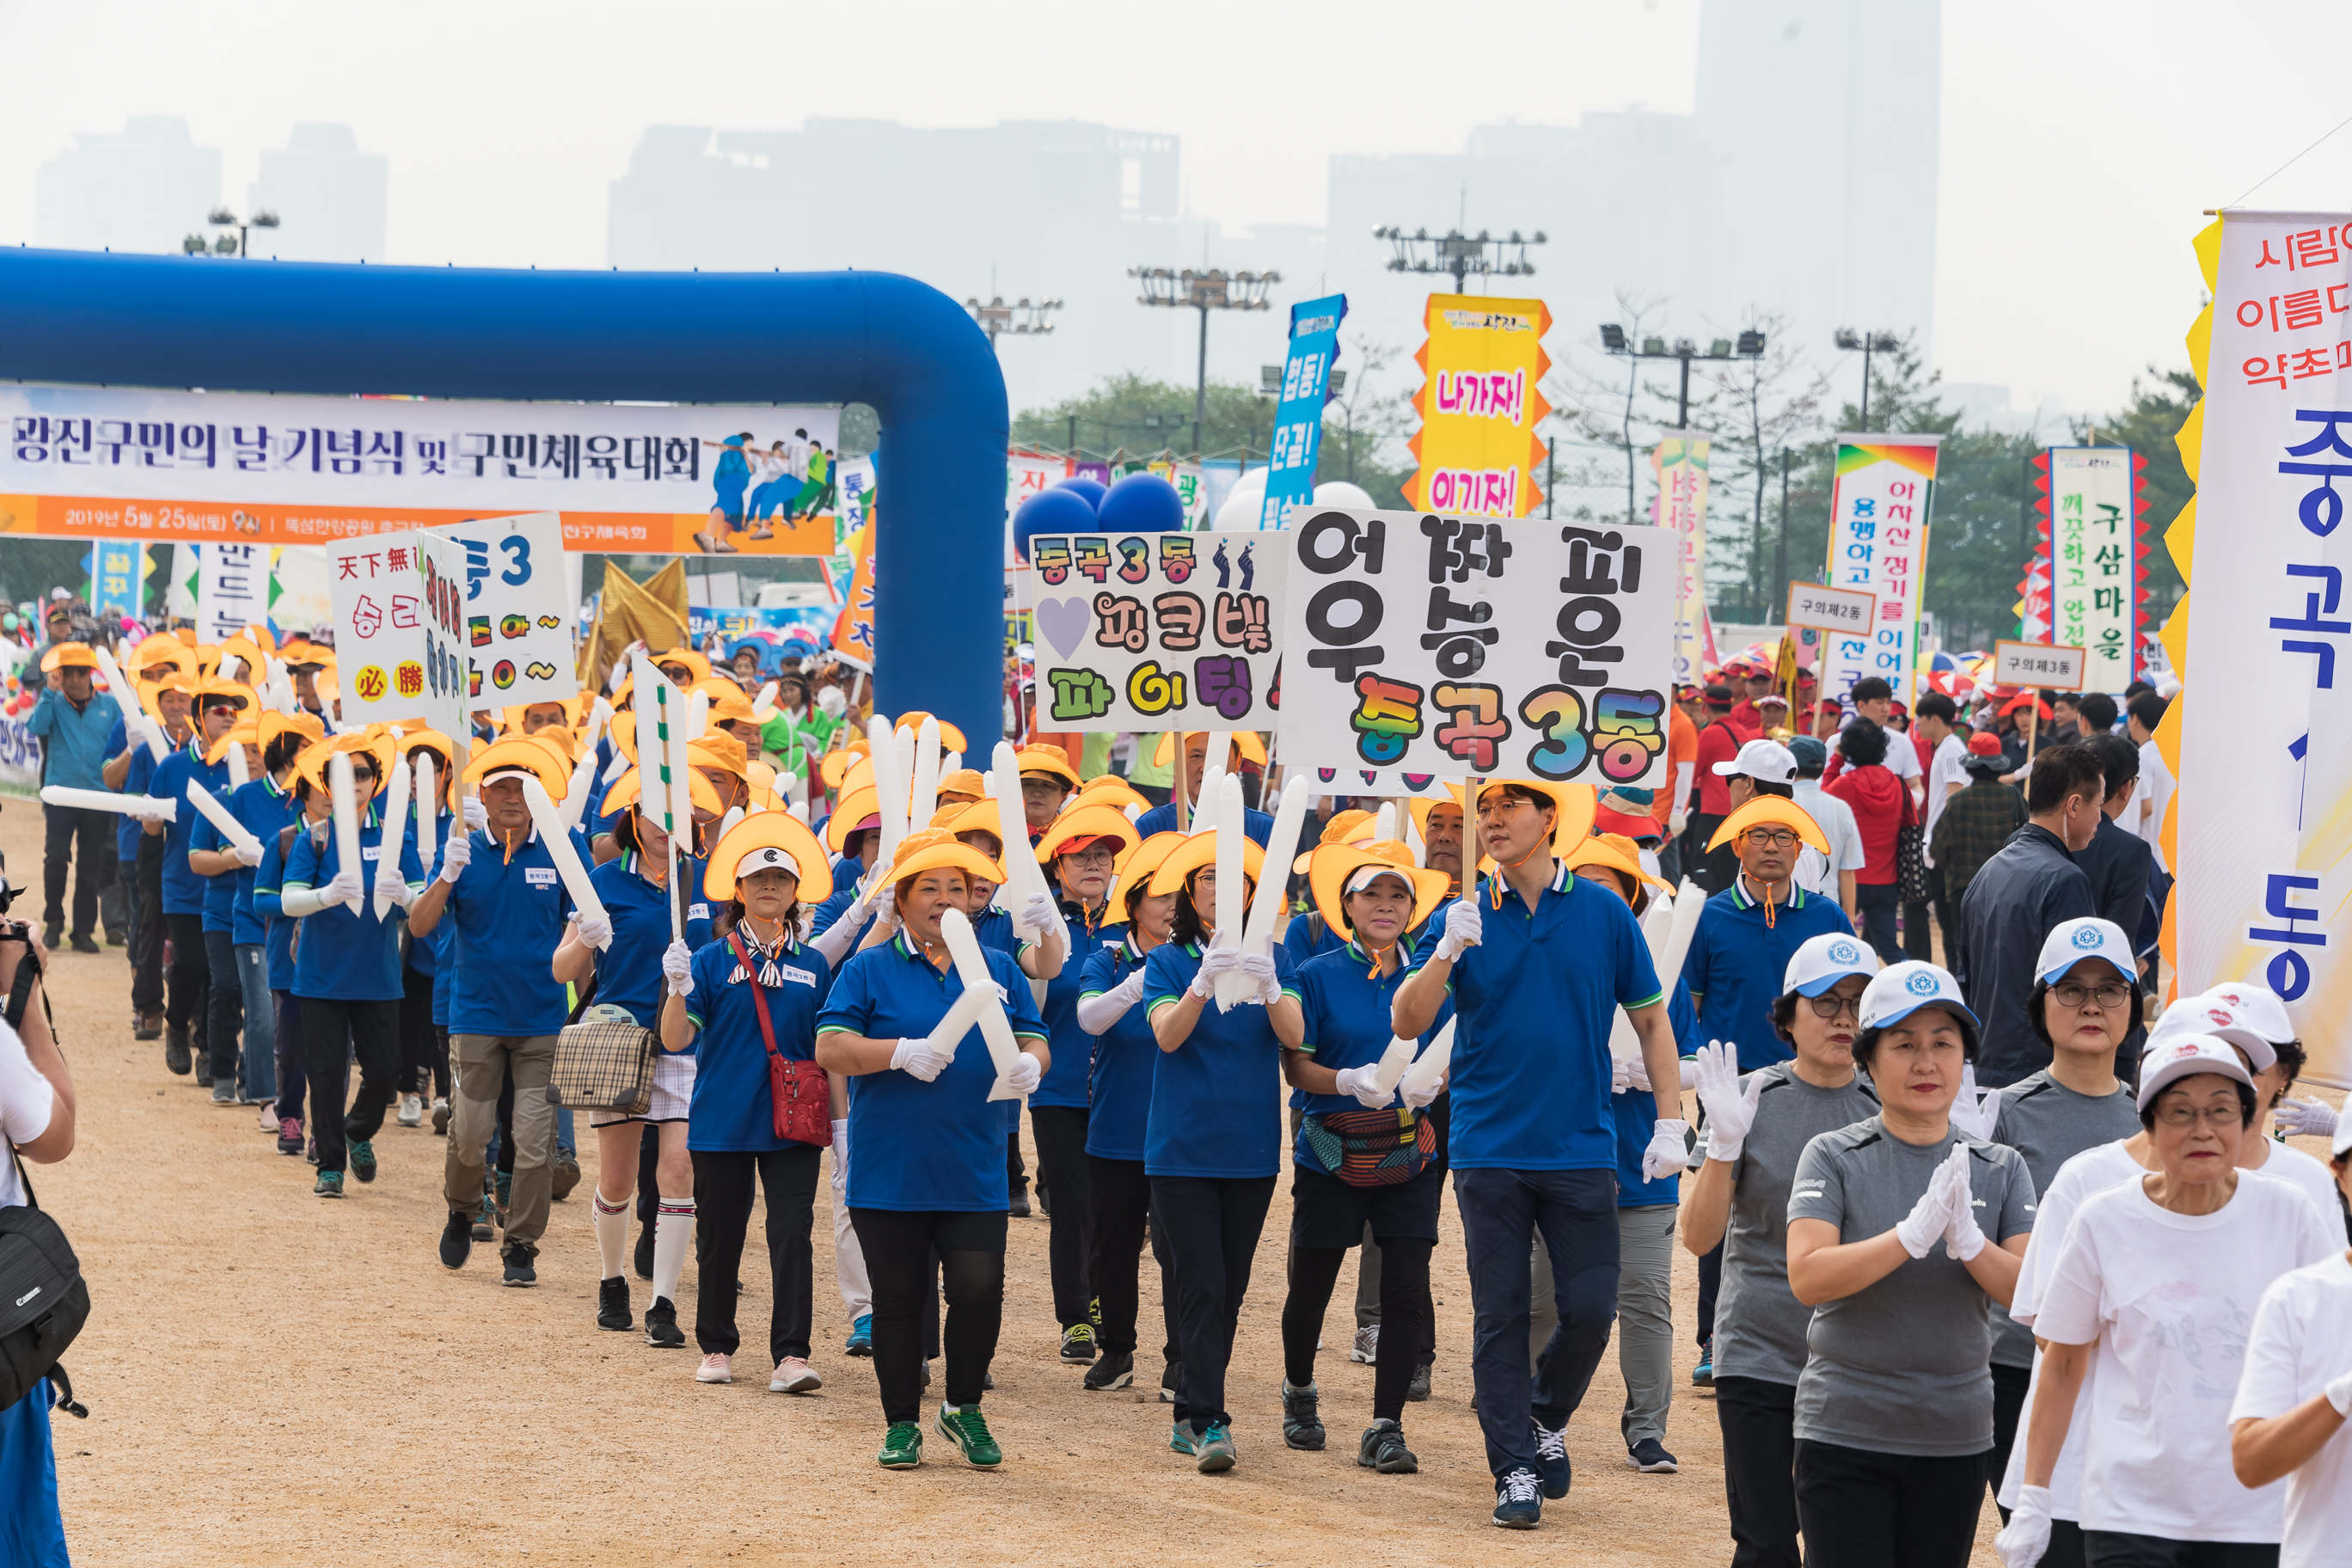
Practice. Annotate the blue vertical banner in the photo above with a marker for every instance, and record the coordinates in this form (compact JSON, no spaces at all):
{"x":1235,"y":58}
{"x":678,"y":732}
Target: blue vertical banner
{"x":1299,"y":420}
{"x":118,"y":577}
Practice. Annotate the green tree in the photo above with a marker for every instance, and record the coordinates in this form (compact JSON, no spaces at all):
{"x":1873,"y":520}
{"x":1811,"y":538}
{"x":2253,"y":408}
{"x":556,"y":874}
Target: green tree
{"x":2149,"y":423}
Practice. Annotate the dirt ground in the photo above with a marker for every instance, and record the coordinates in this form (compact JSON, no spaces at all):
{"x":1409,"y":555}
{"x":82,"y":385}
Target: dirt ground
{"x":344,"y":1396}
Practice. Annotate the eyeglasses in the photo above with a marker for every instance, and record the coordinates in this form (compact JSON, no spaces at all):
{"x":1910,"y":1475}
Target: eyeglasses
{"x":1827,"y":1005}
{"x":359,"y":773}
{"x":1769,"y":837}
{"x":2110,"y":994}
{"x":2211,"y":1115}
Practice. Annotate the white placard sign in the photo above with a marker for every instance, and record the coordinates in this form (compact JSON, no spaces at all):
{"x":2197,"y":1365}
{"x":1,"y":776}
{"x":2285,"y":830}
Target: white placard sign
{"x":2046,"y":665}
{"x":1830,"y":609}
{"x":231,"y":589}
{"x":521,"y":629}
{"x":399,"y":630}
{"x":1457,"y":648}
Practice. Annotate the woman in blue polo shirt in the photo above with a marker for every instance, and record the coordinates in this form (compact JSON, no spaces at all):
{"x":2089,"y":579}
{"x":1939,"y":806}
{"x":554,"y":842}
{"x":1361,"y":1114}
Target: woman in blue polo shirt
{"x":219,"y":704}
{"x":310,"y":808}
{"x":930,"y":1172}
{"x":1212,"y":1146}
{"x":423,"y":1044}
{"x":1366,"y":1157}
{"x":347,"y":961}
{"x":638,"y":895}
{"x":1124,"y":1054}
{"x":730,"y":1008}
{"x":222,"y":869}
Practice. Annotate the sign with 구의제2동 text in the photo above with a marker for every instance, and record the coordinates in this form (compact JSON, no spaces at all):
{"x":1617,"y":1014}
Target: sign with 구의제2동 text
{"x":399,"y":629}
{"x":2046,"y":665}
{"x":1830,"y":609}
{"x":1156,"y":631}
{"x":519,"y":629}
{"x":1456,"y":648}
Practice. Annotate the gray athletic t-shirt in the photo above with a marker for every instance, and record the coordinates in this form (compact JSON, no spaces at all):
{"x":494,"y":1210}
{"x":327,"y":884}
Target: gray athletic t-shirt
{"x":1903,"y":1366}
{"x":2049,"y":1124}
{"x":1759,"y":1328}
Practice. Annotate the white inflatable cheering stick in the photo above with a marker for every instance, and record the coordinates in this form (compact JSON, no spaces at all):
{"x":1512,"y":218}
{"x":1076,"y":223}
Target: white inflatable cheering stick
{"x":135,"y":722}
{"x":994,"y":1026}
{"x":923,"y":787}
{"x":1273,"y":893}
{"x":428,"y":809}
{"x":549,"y":820}
{"x":146,"y":807}
{"x":1430,"y":1069}
{"x":1024,"y":878}
{"x":890,"y":787}
{"x":341,"y":792}
{"x":1225,"y":816}
{"x":395,"y":808}
{"x":219,"y":816}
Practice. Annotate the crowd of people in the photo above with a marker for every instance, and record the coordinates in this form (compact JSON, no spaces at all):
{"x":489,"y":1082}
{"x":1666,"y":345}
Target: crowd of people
{"x":1505,"y":979}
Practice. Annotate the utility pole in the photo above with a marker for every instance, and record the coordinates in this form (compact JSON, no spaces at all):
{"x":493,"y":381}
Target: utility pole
{"x":1884,"y":343}
{"x":1781,"y":546}
{"x":1205,"y":292}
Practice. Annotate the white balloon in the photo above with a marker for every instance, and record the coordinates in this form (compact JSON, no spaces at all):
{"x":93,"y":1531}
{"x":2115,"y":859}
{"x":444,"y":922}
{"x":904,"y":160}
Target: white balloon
{"x":1243,"y":503}
{"x":1341,"y":494}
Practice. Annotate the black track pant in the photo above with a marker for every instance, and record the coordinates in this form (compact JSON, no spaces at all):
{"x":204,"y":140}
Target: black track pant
{"x":722,"y":1214}
{"x":898,"y":1248}
{"x":1121,"y":1201}
{"x":1404,"y":1302}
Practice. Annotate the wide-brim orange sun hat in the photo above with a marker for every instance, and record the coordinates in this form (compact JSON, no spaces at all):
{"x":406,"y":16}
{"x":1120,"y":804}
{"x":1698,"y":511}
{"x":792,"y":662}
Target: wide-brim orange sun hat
{"x":934,"y":850}
{"x":859,"y":776}
{"x":1082,"y":827}
{"x":573,"y":709}
{"x":857,"y":809}
{"x":511,"y":755}
{"x":1766,"y":808}
{"x":1573,"y":805}
{"x":1350,"y":826}
{"x":766,"y":839}
{"x":263,"y":732}
{"x":625,"y":792}
{"x":959,"y":818}
{"x":68,"y":655}
{"x":1252,"y":749}
{"x":1336,"y":865}
{"x":1134,"y":867}
{"x":1108,"y":789}
{"x":836,"y":765}
{"x":416,"y":738}
{"x":697,"y":667}
{"x":1200,"y":849}
{"x":213,"y":689}
{"x":964,"y":782}
{"x":950,"y":738}
{"x":1051,"y":761}
{"x":377,"y":748}
{"x":1421,"y":806}
{"x":1621,"y":857}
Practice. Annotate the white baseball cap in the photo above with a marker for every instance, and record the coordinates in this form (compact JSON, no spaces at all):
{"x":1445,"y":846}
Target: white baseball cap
{"x":1766,"y":760}
{"x":2185,"y":1055}
{"x":2073,"y":941}
{"x":1902,"y":989}
{"x":1825,"y":960}
{"x":2208,"y":1014}
{"x":2258,"y":1007}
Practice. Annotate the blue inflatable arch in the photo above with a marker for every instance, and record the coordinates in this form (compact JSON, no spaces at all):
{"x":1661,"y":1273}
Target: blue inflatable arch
{"x":706,"y":337}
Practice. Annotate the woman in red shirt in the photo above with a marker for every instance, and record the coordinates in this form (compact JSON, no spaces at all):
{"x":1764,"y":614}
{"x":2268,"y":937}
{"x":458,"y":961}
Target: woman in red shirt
{"x":1878,"y":799}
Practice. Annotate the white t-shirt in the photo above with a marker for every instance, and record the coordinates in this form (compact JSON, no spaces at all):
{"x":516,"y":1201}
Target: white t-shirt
{"x":27,"y":1103}
{"x":2298,"y":1169}
{"x":2166,"y":1297}
{"x":2155,"y":786}
{"x":2300,"y":1342}
{"x":1814,"y":873}
{"x":1943,"y":771}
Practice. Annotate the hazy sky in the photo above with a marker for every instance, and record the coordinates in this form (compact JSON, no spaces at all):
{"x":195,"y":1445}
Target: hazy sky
{"x":2080,"y":137}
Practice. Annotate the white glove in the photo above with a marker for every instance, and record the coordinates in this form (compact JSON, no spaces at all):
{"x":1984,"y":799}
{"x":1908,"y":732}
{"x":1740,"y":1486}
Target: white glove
{"x":1026,"y":1074}
{"x":1358,"y":1081}
{"x":1213,"y":966}
{"x":841,"y":1155}
{"x":834,"y":703}
{"x":455,"y":857}
{"x":1676,"y":821}
{"x":916,"y":1057}
{"x":478,"y":815}
{"x":2339,"y":1395}
{"x":1730,"y":1110}
{"x":250,"y":855}
{"x":344,"y":887}
{"x":1258,"y":968}
{"x":1419,"y":1099}
{"x":1037,"y":914}
{"x":1621,"y":1075}
{"x":1463,"y":927}
{"x":2306,"y":1117}
{"x":1667,"y":1151}
{"x":1930,"y":1216}
{"x":2026,"y":1536}
{"x":678,"y":968}
{"x":393,"y":885}
{"x":1973,"y":1113}
{"x":1637,"y":1075}
{"x":1963,"y":1239}
{"x":596,"y":930}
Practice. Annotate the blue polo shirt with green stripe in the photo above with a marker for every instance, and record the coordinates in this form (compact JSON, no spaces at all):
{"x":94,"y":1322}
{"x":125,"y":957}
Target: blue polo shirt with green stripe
{"x":1738,"y":958}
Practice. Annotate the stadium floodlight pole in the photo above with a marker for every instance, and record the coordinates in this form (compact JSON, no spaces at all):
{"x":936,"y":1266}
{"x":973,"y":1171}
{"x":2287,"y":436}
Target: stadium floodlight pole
{"x":1458,"y":255}
{"x":1749,"y":345}
{"x":1022,"y":319}
{"x":222,"y":219}
{"x":1884,"y":343}
{"x":1205,"y":292}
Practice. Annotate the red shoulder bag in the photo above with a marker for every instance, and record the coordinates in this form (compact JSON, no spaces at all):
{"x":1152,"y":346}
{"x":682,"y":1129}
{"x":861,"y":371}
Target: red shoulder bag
{"x":800,"y":1091}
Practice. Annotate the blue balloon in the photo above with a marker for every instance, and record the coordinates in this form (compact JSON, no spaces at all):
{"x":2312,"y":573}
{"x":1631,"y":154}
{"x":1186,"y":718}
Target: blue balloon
{"x":1141,"y":503}
{"x":1056,"y":510}
{"x":1080,"y":485}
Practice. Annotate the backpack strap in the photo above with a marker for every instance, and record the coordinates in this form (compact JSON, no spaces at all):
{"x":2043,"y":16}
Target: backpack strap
{"x":20,"y":994}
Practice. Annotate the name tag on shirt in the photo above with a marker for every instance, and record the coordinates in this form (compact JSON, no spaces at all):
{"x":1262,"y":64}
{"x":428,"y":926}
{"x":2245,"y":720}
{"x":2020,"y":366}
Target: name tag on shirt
{"x":697,"y":911}
{"x":539,"y":876}
{"x":796,"y":976}
{"x":373,"y":852}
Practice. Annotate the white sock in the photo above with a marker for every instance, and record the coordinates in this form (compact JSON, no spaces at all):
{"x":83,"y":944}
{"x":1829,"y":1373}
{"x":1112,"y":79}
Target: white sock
{"x":612,"y":1234}
{"x":673,"y":1232}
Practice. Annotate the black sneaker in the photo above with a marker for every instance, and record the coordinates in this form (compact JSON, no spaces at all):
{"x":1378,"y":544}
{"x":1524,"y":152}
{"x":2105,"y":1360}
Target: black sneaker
{"x":1301,"y":1426}
{"x":519,"y":1272}
{"x":53,"y":937}
{"x":457,"y":1239}
{"x":83,"y":944}
{"x":1417,"y":1390}
{"x":363,"y":1159}
{"x":644,"y":1260}
{"x":1518,"y":1499}
{"x":1045,"y":1201}
{"x":1018,"y":1204}
{"x":612,"y":1304}
{"x":1551,"y":1458}
{"x":662,"y":1331}
{"x":1383,"y":1449}
{"x":1171,"y":1382}
{"x":1078,"y":1342}
{"x":1115,"y":1369}
{"x":1650,"y":1457}
{"x":176,"y":1055}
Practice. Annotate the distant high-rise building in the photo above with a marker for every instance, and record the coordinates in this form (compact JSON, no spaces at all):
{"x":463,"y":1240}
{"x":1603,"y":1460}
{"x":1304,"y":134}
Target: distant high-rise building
{"x":330,"y":198}
{"x":143,"y":190}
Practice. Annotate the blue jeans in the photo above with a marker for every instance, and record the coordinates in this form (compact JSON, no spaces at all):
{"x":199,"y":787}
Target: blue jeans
{"x":1502,"y":1213}
{"x":260,"y":1065}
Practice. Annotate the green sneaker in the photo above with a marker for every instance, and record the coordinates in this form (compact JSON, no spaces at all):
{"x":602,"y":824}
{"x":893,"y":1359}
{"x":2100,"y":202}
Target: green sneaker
{"x":968,"y":1430}
{"x":1215,"y":1449}
{"x":1181,"y":1439}
{"x":902,"y":1446}
{"x":330,"y":1184}
{"x":362,"y":1156}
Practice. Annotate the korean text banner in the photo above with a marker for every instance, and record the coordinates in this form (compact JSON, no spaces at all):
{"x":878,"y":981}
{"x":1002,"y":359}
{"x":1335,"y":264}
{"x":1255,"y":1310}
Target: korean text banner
{"x":1480,"y":401}
{"x":118,"y":577}
{"x":1680,"y":464}
{"x":1878,"y":541}
{"x":2261,"y":740}
{"x":1156,"y":631}
{"x":1458,"y":647}
{"x":2092,"y":538}
{"x":1299,"y":419}
{"x":400,"y":630}
{"x":263,"y":470}
{"x":231,"y":589}
{"x":521,"y":625}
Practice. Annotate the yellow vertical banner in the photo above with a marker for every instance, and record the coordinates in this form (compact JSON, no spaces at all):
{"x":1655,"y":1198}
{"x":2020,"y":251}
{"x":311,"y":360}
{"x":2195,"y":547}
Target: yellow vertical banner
{"x":1480,"y":401}
{"x":853,"y":629}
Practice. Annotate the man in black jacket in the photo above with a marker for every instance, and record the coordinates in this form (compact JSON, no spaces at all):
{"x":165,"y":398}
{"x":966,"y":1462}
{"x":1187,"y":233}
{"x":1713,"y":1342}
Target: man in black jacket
{"x":2119,"y":862}
{"x":2032,"y":885}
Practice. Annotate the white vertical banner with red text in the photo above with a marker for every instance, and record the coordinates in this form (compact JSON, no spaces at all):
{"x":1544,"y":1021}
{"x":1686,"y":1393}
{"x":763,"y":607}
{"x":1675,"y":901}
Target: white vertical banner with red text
{"x":2261,"y":824}
{"x":1679,"y":461}
{"x":1878,"y":543}
{"x":400,"y":619}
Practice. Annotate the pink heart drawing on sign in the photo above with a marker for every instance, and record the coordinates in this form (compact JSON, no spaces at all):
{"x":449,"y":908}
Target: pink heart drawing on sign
{"x":1062,"y":623}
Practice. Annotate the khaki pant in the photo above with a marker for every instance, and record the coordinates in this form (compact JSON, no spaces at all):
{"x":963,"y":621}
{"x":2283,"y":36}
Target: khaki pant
{"x":480,"y":1065}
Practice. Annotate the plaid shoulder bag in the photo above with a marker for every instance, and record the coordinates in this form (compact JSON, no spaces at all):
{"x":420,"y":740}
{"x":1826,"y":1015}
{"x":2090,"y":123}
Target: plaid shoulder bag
{"x":604,"y":1060}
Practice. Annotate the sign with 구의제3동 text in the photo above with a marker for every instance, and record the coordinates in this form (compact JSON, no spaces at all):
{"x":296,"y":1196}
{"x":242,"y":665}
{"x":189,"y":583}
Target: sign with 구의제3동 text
{"x":1830,"y":609}
{"x":2048,"y":666}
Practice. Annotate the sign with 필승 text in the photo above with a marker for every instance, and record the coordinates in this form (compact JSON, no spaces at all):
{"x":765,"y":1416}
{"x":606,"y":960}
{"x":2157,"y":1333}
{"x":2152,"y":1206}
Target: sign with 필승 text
{"x":400,"y":630}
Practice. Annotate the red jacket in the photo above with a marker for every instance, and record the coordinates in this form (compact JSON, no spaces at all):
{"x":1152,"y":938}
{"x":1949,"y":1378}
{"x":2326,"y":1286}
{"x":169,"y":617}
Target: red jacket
{"x":1718,"y":742}
{"x":1877,"y":798}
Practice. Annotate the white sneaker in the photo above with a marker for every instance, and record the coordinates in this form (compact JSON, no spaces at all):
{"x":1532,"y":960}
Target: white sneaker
{"x":412,"y":1111}
{"x":715,"y":1368}
{"x":795,"y":1375}
{"x":1368,"y":1345}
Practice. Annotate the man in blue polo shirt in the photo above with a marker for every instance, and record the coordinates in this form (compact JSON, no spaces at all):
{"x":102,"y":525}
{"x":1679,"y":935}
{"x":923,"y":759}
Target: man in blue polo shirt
{"x":500,"y":888}
{"x":1537,"y":961}
{"x":131,"y":767}
{"x":218,"y":704}
{"x":71,"y":721}
{"x":1256,"y":825}
{"x":1748,"y":932}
